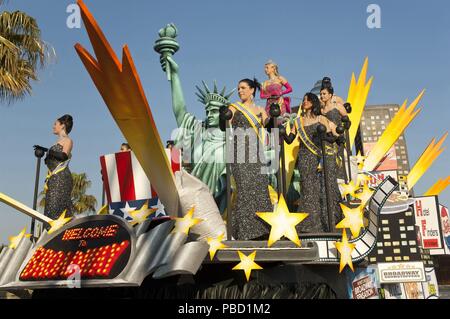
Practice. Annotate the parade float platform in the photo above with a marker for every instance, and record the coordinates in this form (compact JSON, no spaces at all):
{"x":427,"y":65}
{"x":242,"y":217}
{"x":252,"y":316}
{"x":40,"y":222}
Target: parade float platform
{"x":151,"y":259}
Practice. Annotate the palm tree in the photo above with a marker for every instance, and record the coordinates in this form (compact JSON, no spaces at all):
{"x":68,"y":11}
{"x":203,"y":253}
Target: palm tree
{"x":22,"y":52}
{"x":82,"y":203}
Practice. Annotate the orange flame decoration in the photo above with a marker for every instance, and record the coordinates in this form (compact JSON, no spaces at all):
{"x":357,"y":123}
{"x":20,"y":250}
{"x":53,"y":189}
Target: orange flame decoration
{"x":121,"y":89}
{"x":425,"y":161}
{"x":439,"y":187}
{"x":396,"y":128}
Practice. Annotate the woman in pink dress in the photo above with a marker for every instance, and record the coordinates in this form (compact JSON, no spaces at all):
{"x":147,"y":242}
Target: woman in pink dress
{"x":272,"y":89}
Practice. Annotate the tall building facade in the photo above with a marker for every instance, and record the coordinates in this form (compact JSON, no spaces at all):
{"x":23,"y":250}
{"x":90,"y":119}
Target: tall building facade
{"x":374,"y":121}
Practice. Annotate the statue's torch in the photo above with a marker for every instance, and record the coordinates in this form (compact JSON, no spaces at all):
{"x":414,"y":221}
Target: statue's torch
{"x":166,"y":45}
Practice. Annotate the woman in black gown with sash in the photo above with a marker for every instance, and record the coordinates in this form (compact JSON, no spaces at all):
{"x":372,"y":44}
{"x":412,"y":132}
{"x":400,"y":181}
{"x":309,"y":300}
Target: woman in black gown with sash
{"x":59,"y":184}
{"x":310,"y":165}
{"x":248,"y":166}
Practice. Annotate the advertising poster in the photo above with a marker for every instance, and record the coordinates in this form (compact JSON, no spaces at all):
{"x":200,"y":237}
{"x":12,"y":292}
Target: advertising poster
{"x":363,"y":284}
{"x":379,"y":176}
{"x":413,"y":290}
{"x":394,"y":291}
{"x":389,"y":161}
{"x":445,"y":226}
{"x":430,"y":287}
{"x":428,"y":221}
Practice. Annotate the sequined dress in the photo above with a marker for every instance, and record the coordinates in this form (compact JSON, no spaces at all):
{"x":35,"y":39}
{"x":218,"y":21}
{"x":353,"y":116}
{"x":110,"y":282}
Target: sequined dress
{"x":252,"y":194}
{"x":335,"y":167}
{"x":312,"y":193}
{"x":335,"y":117}
{"x":59,"y":192}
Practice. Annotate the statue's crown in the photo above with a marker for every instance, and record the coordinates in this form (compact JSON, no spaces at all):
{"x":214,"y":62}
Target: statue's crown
{"x":206,"y":96}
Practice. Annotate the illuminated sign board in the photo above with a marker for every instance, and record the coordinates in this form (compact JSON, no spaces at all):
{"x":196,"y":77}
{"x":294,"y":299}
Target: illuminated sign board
{"x":98,"y":248}
{"x":427,"y":219}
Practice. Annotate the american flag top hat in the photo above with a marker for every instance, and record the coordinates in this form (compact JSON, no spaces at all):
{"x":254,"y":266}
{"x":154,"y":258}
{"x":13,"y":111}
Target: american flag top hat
{"x":126,"y":185}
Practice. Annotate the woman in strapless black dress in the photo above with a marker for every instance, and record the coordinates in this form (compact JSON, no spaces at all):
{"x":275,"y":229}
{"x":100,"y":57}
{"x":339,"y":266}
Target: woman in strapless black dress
{"x":248,"y":166}
{"x":312,"y":182}
{"x":59,"y":184}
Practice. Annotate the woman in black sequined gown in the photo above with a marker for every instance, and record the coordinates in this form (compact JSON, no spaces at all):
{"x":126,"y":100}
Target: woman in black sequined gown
{"x":59,"y":184}
{"x":333,"y":110}
{"x":252,"y":194}
{"x":312,"y":188}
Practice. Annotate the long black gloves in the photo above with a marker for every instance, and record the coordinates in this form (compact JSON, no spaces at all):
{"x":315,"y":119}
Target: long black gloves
{"x":346,"y":122}
{"x":225,"y":115}
{"x":348,"y":107}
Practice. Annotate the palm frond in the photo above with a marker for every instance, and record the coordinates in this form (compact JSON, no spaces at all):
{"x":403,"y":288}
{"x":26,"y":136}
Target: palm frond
{"x":22,"y":53}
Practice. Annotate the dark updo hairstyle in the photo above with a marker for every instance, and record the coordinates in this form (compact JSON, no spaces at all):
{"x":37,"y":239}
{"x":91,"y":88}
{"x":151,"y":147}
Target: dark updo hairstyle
{"x":67,"y":121}
{"x":254,"y":84}
{"x":316,"y":107}
{"x":327,"y":85}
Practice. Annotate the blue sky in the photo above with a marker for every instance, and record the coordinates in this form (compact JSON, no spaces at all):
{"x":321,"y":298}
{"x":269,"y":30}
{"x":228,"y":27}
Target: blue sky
{"x":226,"y":41}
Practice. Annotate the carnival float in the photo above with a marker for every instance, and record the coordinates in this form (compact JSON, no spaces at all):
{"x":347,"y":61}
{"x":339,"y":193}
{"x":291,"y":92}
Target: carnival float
{"x":167,"y":231}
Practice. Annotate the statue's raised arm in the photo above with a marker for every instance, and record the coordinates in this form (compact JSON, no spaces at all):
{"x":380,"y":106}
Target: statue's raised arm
{"x":178,"y":101}
{"x":166,"y":46}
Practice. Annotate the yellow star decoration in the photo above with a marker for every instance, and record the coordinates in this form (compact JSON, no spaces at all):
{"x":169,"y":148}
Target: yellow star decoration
{"x":349,"y":189}
{"x":345,"y":249}
{"x":58,"y":223}
{"x":283,"y":223}
{"x":15,"y":240}
{"x":354,"y":219}
{"x":141,"y":215}
{"x":215,"y":244}
{"x":365,"y":195}
{"x":183,"y":225}
{"x":247,"y":264}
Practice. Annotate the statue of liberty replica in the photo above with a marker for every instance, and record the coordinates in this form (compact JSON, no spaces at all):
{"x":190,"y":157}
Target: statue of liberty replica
{"x":202,"y":142}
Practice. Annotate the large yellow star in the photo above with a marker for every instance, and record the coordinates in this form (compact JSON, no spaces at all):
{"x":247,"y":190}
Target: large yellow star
{"x":349,"y":189}
{"x":345,"y":249}
{"x":141,"y":215}
{"x":283,"y":223}
{"x":354,"y":219}
{"x":183,"y":225}
{"x":365,"y":195}
{"x":247,"y":264}
{"x":215,"y":244}
{"x":14,"y":241}
{"x":58,"y":223}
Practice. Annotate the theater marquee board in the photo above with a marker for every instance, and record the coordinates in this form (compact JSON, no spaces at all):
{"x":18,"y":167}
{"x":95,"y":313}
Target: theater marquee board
{"x":96,"y":249}
{"x":389,"y":273}
{"x":100,"y":251}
